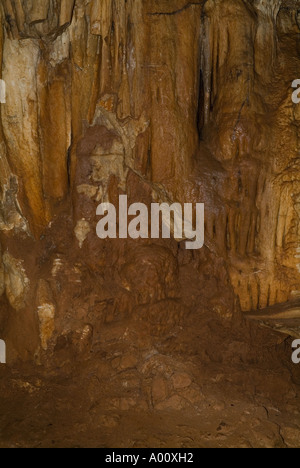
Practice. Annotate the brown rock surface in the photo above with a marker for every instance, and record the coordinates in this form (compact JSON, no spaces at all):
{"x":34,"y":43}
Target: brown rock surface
{"x":165,"y":101}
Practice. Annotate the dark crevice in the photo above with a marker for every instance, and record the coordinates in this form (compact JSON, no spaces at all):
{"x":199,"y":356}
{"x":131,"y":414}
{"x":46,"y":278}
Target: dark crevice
{"x":200,"y":109}
{"x":69,"y":162}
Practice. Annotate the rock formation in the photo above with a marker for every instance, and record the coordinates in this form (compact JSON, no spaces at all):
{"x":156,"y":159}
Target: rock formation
{"x":168,"y":101}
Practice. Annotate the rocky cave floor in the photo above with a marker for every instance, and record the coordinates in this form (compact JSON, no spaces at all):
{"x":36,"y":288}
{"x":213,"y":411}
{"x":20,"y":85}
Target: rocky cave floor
{"x":209,"y":384}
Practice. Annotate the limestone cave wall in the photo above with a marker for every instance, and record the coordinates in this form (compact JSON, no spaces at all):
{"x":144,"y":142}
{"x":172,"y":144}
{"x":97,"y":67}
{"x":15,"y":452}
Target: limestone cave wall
{"x":169,"y":101}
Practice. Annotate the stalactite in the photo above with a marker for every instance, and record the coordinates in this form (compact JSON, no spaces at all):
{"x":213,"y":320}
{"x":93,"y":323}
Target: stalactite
{"x":266,"y":34}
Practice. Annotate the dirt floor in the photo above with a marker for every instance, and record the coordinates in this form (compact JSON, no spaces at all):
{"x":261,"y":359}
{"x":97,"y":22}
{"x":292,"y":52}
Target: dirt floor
{"x":184,"y":392}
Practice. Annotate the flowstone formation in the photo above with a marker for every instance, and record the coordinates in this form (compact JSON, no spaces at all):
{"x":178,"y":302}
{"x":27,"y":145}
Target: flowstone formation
{"x":251,"y":130}
{"x":165,"y":102}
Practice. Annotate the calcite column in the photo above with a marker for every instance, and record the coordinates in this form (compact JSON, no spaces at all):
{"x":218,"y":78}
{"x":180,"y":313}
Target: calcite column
{"x":34,"y":159}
